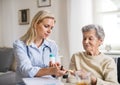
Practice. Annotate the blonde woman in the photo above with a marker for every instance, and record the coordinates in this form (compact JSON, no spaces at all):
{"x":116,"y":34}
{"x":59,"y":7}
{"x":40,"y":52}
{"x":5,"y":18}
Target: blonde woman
{"x":33,"y":49}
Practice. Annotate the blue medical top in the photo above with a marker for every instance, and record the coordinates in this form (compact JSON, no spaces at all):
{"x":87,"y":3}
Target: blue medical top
{"x":30,"y":61}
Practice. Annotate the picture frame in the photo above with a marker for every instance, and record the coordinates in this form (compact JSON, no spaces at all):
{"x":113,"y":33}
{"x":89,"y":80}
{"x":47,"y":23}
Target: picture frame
{"x":44,"y":3}
{"x":24,"y":16}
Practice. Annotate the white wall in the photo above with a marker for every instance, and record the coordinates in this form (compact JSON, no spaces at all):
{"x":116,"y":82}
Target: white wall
{"x":7,"y":23}
{"x":70,"y":15}
{"x":0,"y":22}
{"x":80,"y":13}
{"x":63,"y":31}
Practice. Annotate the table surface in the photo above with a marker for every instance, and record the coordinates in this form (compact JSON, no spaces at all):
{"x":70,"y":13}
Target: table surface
{"x":42,"y":81}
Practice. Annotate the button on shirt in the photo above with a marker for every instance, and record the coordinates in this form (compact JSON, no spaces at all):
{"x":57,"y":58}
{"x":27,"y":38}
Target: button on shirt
{"x":30,"y":59}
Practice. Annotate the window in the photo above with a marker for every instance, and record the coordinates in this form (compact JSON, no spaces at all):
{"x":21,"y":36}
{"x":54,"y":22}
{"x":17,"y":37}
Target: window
{"x":108,"y":15}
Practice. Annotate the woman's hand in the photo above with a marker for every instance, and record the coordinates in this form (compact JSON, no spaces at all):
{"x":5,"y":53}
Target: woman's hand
{"x":53,"y":64}
{"x":62,"y":71}
{"x":57,"y":70}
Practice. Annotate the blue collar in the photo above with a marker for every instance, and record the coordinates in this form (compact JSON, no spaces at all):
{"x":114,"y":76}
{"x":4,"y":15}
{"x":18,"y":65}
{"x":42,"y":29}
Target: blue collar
{"x":45,"y":43}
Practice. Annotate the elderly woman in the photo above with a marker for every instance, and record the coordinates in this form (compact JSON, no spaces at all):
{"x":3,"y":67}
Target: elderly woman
{"x":102,"y":68}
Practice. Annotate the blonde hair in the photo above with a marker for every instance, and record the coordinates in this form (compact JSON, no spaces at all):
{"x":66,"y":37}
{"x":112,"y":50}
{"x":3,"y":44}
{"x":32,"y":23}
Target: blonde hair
{"x":31,"y":34}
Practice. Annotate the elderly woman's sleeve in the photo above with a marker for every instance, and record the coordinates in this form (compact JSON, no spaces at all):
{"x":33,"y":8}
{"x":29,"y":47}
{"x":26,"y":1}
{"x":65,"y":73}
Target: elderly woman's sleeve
{"x":72,"y":65}
{"x":109,"y":73}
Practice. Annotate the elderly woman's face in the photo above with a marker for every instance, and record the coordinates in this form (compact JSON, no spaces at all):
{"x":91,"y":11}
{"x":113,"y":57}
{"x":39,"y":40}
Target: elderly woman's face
{"x":90,"y":42}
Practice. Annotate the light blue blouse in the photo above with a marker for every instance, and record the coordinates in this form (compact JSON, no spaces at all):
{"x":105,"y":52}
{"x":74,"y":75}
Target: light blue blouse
{"x":30,"y":59}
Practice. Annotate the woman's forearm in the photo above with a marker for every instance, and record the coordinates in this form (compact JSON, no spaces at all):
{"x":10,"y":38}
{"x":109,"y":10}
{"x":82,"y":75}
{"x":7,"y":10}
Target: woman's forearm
{"x":45,"y":71}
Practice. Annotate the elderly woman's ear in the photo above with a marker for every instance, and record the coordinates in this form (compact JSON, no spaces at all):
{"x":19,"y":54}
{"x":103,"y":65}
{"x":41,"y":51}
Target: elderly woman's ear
{"x":101,"y":42}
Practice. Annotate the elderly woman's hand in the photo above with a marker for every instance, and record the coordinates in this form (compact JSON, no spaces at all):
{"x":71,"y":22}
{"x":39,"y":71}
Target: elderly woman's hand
{"x":80,"y":73}
{"x":83,"y":74}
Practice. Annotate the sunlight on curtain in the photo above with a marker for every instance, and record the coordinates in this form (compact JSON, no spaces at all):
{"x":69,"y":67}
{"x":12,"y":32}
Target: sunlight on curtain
{"x":110,"y":20}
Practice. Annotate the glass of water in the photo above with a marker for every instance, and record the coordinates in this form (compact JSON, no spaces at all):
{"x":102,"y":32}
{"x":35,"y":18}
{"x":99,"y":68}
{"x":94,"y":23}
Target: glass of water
{"x":82,"y":80}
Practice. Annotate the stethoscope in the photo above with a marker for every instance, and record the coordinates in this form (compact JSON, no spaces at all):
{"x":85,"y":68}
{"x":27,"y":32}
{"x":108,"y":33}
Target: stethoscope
{"x":45,"y":47}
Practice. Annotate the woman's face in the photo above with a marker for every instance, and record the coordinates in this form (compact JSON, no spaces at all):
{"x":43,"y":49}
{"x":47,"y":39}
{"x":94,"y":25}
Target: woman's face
{"x":90,"y":42}
{"x":44,"y":28}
